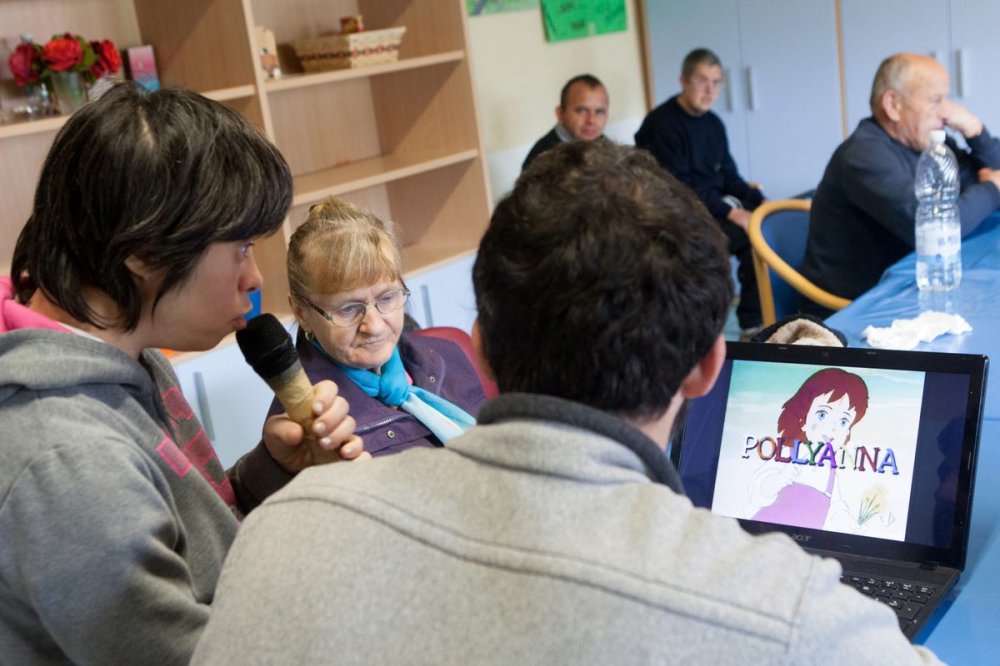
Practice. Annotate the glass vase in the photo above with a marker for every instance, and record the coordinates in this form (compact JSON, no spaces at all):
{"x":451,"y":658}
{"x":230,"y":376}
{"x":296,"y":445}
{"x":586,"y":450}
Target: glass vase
{"x":69,"y":91}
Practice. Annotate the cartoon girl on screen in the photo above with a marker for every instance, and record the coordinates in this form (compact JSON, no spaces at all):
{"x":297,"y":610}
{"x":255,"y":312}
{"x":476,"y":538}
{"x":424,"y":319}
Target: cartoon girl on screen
{"x":824,"y":409}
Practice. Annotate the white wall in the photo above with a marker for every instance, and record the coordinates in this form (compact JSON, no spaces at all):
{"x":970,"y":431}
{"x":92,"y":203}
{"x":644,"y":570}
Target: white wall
{"x":518,"y":75}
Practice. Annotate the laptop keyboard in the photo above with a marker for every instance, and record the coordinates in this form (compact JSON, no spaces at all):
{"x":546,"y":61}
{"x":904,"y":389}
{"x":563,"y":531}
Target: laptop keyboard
{"x":907,"y":598}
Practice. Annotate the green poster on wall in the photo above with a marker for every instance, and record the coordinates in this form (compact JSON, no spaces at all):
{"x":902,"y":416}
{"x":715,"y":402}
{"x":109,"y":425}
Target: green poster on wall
{"x":484,"y":7}
{"x":609,"y":16}
{"x":573,"y":19}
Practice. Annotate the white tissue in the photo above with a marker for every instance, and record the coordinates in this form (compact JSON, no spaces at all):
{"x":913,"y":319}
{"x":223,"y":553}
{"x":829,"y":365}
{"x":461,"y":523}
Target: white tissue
{"x":908,"y":333}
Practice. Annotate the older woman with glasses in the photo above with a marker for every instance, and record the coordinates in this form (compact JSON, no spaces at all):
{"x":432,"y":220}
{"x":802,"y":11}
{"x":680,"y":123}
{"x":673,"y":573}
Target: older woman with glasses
{"x":347,"y":293}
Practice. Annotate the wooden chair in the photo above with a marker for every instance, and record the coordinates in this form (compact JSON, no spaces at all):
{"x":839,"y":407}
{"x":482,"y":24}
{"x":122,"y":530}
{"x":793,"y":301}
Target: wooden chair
{"x":778,"y":231}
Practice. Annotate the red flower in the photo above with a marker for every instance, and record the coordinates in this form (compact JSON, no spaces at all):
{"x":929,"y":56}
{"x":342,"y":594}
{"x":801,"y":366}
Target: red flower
{"x":24,"y":64}
{"x":31,"y":63}
{"x":108,"y":61}
{"x":62,"y":53}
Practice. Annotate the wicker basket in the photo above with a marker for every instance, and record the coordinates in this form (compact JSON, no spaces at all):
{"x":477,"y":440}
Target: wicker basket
{"x":355,"y":49}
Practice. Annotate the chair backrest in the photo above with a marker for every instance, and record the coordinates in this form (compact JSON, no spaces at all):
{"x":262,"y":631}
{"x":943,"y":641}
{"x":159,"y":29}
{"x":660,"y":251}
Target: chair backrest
{"x":778,"y":231}
{"x":464,"y":341}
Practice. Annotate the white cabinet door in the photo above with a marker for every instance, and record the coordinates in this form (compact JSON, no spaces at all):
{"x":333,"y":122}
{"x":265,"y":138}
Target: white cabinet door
{"x":961,"y":34}
{"x":443,"y":296}
{"x":230,"y":399}
{"x":976,"y":58}
{"x":874,"y":31}
{"x":793,"y":92}
{"x":781,"y":101}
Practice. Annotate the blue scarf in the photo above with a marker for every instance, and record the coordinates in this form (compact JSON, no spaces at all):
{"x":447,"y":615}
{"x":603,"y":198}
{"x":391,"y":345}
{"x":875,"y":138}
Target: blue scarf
{"x":442,"y":417}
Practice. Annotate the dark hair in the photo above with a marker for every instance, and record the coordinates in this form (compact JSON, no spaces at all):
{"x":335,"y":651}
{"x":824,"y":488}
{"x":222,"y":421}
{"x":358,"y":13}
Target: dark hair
{"x":601,"y":279}
{"x":159,"y":175}
{"x":588,"y":79}
{"x":698,"y":57}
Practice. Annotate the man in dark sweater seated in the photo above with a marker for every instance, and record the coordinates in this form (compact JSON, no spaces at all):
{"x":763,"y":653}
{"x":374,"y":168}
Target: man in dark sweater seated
{"x":582,"y":114}
{"x":863,"y":214}
{"x":690,"y":142}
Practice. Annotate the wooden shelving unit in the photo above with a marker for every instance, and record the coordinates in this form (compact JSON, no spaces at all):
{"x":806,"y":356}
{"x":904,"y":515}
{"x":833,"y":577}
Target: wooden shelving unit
{"x":399,"y":138}
{"x":302,"y":80}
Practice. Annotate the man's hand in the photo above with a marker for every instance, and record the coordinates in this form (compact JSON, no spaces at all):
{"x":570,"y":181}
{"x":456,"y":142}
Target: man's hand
{"x":333,"y":429}
{"x":988,"y":175}
{"x":961,"y":119}
{"x":740,"y":217}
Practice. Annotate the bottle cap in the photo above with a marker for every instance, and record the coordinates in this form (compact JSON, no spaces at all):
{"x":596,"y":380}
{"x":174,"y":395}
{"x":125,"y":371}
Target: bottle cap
{"x":937,"y":136}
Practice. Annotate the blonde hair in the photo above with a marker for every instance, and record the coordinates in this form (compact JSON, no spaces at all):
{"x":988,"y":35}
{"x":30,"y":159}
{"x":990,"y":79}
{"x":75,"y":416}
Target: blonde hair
{"x":340,"y":247}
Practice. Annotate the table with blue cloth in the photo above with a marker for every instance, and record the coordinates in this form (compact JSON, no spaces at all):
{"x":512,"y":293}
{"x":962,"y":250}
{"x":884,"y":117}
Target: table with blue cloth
{"x":966,"y":630}
{"x":977,"y":299}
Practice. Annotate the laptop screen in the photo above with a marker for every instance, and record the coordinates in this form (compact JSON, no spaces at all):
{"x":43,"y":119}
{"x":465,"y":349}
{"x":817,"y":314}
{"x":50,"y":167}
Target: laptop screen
{"x":858,"y":451}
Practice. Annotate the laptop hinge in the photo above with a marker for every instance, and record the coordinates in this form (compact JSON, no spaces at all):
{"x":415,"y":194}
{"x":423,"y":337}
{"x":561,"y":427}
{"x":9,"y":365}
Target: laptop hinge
{"x":929,"y":566}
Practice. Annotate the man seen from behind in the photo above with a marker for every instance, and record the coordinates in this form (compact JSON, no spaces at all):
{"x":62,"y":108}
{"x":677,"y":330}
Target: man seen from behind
{"x":556,"y":530}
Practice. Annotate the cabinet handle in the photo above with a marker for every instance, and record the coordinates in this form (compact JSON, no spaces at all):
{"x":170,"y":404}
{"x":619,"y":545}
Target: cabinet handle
{"x":201,"y":397}
{"x":728,"y":89}
{"x":425,"y":294}
{"x":751,"y":90}
{"x":960,"y":61}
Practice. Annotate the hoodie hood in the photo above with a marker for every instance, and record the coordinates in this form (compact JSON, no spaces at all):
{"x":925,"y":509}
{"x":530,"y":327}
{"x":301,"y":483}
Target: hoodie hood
{"x":83,"y":388}
{"x":38,"y":353}
{"x":14,"y":316}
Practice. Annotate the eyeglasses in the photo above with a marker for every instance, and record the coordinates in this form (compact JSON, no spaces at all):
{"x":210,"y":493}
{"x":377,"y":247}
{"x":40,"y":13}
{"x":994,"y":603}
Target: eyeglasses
{"x":351,"y":313}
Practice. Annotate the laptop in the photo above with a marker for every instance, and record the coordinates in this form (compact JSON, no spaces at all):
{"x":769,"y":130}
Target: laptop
{"x":867,"y":456}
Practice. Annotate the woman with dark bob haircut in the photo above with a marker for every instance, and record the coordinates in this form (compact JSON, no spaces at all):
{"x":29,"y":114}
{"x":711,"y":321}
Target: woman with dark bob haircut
{"x":115,"y":513}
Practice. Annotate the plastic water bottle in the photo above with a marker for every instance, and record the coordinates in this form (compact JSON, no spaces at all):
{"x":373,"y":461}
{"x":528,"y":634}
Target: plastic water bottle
{"x":938,"y":228}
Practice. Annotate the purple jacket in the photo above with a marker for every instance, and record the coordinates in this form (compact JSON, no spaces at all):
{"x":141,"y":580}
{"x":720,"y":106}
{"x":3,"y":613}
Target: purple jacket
{"x":435,"y":365}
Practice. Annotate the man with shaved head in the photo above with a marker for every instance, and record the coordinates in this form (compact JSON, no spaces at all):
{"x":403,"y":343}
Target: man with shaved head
{"x":862,"y":218}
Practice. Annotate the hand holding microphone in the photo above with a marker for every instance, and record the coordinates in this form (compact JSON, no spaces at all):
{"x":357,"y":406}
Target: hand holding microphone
{"x":327,"y":429}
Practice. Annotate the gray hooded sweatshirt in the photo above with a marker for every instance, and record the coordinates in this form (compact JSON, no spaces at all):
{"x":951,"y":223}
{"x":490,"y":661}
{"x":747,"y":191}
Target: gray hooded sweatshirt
{"x":550,"y":533}
{"x":115,"y":513}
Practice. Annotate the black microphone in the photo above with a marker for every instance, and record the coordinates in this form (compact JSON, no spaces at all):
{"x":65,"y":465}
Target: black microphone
{"x":268,"y":349}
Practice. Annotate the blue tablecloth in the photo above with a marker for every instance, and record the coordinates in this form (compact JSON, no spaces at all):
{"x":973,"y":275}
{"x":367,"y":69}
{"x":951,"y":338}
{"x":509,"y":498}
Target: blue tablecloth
{"x":977,"y":299}
{"x":967,"y":630}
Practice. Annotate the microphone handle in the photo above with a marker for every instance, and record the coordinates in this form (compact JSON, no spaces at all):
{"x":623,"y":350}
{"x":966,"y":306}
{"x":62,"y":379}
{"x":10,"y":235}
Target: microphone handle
{"x":295,"y":393}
